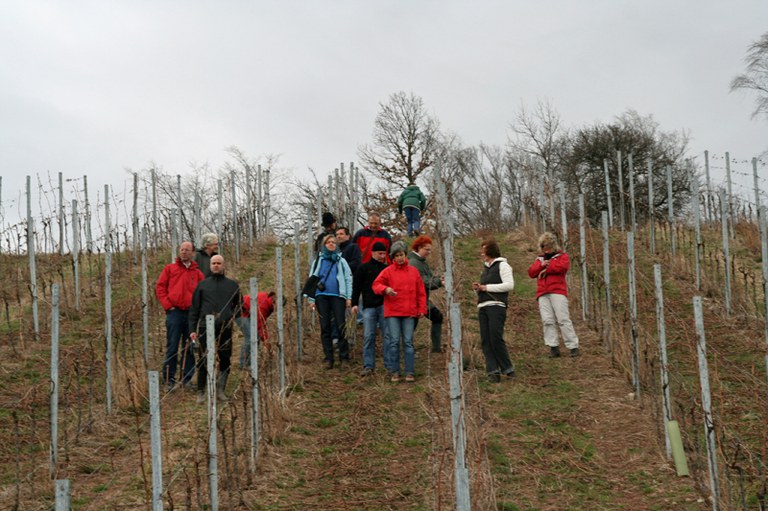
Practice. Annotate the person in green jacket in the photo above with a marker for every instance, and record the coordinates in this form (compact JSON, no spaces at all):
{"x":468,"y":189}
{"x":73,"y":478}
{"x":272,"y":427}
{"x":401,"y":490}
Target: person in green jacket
{"x":412,"y":202}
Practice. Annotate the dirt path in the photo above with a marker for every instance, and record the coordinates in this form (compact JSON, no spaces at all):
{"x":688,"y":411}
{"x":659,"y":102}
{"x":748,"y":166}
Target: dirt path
{"x":568,"y":434}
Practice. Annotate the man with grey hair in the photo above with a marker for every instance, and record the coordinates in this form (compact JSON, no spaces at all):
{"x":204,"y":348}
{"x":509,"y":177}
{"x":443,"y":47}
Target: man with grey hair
{"x":209,"y":249}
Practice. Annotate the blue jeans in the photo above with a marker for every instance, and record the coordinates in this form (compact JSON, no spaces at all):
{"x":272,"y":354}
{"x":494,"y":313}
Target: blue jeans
{"x":177,"y":336}
{"x":412,"y":216}
{"x":401,"y":327}
{"x":373,"y":317}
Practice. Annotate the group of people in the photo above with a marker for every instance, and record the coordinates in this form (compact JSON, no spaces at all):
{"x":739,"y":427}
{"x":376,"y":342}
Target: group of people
{"x":189,"y":289}
{"x":386,"y":285}
{"x":393,"y":283}
{"x":389,"y":286}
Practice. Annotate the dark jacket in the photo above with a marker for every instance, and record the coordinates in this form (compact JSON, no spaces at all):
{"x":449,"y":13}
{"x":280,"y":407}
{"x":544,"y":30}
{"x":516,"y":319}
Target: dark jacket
{"x":365,"y":238}
{"x":203,"y":260}
{"x":430,"y":281}
{"x":411,"y":197}
{"x":217,"y":295}
{"x":499,"y":281}
{"x":176,"y":284}
{"x":351,"y":254}
{"x":363,"y":282}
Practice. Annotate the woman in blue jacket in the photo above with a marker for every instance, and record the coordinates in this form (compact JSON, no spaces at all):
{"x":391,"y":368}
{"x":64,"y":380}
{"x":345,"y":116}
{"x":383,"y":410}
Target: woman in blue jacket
{"x":332,"y":299}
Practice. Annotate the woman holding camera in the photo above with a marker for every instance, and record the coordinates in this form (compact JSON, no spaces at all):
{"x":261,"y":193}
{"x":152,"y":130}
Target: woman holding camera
{"x":332,"y":298}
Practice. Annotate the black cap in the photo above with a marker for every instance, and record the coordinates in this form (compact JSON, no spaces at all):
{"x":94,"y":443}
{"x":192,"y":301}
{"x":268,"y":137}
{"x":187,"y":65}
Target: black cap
{"x":328,"y":219}
{"x":379,"y":247}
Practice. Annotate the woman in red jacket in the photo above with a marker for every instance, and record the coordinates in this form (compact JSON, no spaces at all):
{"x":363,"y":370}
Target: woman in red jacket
{"x":404,"y":300}
{"x":549,"y":269}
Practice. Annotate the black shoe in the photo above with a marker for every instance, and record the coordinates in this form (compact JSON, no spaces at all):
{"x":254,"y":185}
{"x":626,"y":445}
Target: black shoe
{"x":510,"y":375}
{"x":554,"y":351}
{"x":575,"y":352}
{"x":494,"y":378}
{"x":328,"y":364}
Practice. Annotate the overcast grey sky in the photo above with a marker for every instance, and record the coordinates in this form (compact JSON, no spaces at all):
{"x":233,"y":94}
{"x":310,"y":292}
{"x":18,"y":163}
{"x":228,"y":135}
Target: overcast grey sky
{"x":95,"y":87}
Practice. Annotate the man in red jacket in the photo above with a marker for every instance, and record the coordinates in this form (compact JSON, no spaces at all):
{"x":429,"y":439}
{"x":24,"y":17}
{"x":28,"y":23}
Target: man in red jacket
{"x":174,"y":289}
{"x":370,"y":234}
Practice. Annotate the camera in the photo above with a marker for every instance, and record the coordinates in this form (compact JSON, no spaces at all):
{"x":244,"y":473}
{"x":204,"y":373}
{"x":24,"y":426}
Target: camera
{"x":320,"y":286}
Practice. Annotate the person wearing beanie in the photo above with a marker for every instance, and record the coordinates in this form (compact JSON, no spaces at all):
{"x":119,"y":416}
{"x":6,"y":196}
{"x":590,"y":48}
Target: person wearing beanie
{"x":404,"y":301}
{"x":329,"y":227}
{"x":420,"y":250}
{"x":373,"y":308}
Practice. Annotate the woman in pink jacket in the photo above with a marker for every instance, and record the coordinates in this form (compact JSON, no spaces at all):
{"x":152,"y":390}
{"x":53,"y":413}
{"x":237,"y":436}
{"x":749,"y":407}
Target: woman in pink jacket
{"x":549,"y":269}
{"x":404,"y":300}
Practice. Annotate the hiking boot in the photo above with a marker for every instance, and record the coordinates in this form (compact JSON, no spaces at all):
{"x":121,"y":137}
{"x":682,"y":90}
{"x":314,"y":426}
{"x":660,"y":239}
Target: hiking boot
{"x":494,"y":378}
{"x":554,"y":351}
{"x":575,"y":352}
{"x":367,"y":371}
{"x":221,"y":385}
{"x":395,"y":378}
{"x":409,"y":378}
{"x":328,"y":364}
{"x":343,"y":365}
{"x":510,"y":375}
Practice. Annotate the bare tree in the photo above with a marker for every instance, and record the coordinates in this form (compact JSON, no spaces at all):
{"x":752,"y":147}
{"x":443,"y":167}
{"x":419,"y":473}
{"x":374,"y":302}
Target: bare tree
{"x":404,"y":141}
{"x":756,"y":76}
{"x":539,"y":134}
{"x":487,"y":195}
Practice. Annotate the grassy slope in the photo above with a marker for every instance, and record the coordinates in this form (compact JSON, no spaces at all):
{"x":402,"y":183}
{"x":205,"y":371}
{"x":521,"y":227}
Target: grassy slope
{"x":564,"y":435}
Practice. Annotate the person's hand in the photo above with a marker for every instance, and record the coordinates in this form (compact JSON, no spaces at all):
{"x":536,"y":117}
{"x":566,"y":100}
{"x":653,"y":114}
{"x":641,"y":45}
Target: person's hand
{"x":390,"y":292}
{"x":193,"y":336}
{"x":442,"y":280}
{"x":354,"y":309}
{"x":542,"y":274}
{"x":311,"y":306}
{"x":349,"y":304}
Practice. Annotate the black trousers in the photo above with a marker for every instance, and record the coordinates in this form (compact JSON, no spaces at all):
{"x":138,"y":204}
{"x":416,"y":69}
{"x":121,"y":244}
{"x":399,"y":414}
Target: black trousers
{"x":332,"y":311}
{"x":223,"y":351}
{"x":492,"y":318}
{"x":436,"y":332}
